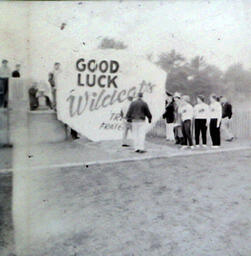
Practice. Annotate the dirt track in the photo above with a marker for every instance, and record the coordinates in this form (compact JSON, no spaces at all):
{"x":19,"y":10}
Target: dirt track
{"x":193,"y":205}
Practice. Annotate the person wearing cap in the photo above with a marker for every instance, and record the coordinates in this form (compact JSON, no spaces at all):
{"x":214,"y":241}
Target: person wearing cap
{"x":226,"y":118}
{"x":5,"y":74}
{"x":137,"y":113}
{"x":127,"y":126}
{"x":215,"y":120}
{"x":169,"y":117}
{"x":186,"y":113}
{"x":201,"y":120}
{"x":177,"y":121}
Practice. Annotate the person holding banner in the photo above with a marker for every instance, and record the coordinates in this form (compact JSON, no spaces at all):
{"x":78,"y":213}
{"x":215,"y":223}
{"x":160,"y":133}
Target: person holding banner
{"x":127,"y":126}
{"x":137,"y":113}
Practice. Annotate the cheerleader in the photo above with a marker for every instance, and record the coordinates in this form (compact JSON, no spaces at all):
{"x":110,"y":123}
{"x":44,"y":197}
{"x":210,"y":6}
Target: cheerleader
{"x":201,"y":122}
{"x":215,"y":121}
{"x":186,"y":112}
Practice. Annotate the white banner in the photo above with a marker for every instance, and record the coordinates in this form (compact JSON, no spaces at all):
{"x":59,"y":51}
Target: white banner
{"x":93,"y":87}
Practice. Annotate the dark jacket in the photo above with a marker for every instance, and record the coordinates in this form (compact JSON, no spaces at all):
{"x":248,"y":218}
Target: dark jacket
{"x":227,"y":110}
{"x":15,"y":73}
{"x":138,"y":110}
{"x":169,"y":113}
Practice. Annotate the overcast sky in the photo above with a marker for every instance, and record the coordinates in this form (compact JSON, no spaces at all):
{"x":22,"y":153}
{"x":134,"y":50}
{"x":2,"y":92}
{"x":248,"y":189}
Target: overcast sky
{"x":218,"y":30}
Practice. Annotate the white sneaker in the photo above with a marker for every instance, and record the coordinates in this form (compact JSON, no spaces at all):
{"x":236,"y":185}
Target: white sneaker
{"x":204,"y":146}
{"x":215,"y":146}
{"x":184,"y":147}
{"x":191,"y":147}
{"x":197,"y":146}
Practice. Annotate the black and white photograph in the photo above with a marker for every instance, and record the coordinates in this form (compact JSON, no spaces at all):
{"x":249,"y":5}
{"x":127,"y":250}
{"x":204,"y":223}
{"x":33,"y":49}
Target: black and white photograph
{"x":125,"y":128}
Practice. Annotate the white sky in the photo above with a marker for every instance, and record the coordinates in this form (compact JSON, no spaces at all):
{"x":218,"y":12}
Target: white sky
{"x":190,"y":27}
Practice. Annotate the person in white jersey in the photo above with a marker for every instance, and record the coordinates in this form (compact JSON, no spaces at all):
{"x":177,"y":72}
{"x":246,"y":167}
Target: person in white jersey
{"x":127,"y":126}
{"x":201,"y":121}
{"x":215,"y":109}
{"x":186,"y":113}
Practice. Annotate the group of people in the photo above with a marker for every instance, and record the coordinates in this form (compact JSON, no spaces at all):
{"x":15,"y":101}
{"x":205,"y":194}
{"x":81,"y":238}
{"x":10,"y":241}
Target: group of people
{"x":5,"y":75}
{"x":182,"y":120}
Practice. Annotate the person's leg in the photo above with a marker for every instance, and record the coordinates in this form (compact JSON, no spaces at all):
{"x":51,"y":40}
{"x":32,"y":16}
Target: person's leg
{"x":225,"y":127}
{"x":125,"y":133}
{"x":142,"y":134}
{"x":214,"y":131}
{"x":188,"y":132}
{"x":135,"y":135}
{"x":204,"y":131}
{"x":197,"y":131}
{"x":211,"y":128}
{"x":176,"y":135}
{"x":167,"y":131}
{"x":171,"y":126}
{"x":184,"y":142}
{"x":217,"y":137}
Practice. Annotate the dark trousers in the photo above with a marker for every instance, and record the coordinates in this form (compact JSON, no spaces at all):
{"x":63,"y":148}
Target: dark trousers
{"x":200,"y":127}
{"x":4,"y":86}
{"x":186,"y":130}
{"x":215,"y":132}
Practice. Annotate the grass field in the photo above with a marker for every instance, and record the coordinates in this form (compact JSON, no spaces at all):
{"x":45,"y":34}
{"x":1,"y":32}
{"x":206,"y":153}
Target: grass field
{"x":193,"y":205}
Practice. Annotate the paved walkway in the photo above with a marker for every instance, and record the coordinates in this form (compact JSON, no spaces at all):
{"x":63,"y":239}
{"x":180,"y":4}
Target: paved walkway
{"x":82,"y":152}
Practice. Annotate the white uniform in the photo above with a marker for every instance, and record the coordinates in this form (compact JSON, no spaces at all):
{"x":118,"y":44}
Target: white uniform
{"x":186,"y":112}
{"x":201,"y":111}
{"x":215,"y":110}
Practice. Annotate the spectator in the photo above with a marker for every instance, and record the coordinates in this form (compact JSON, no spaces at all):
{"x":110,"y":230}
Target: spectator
{"x":169,"y":116}
{"x":177,"y":122}
{"x":201,"y":116}
{"x":5,"y":74}
{"x":226,"y":118}
{"x":53,"y":78}
{"x":215,"y":121}
{"x":16,"y":72}
{"x":186,"y":113}
{"x":127,"y":126}
{"x":137,"y":113}
{"x":33,"y":97}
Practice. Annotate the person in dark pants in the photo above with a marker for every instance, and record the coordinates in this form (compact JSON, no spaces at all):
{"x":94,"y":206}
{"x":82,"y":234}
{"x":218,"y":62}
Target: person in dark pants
{"x":5,"y":74}
{"x":215,"y":121}
{"x":16,"y":73}
{"x":186,"y":113}
{"x":169,"y":116}
{"x":201,"y":116}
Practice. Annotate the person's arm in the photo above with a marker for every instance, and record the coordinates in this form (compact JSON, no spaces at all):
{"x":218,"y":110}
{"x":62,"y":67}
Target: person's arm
{"x":148,"y":113}
{"x":230,"y":111}
{"x":219,"y":113}
{"x":129,"y":113}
